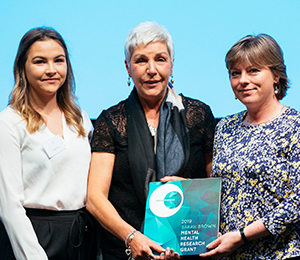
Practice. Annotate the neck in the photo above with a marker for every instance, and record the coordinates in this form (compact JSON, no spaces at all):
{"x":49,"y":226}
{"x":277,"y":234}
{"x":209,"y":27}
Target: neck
{"x":44,"y":105}
{"x":47,"y":107}
{"x":151,"y":109}
{"x":152,"y":116}
{"x":265,"y":114}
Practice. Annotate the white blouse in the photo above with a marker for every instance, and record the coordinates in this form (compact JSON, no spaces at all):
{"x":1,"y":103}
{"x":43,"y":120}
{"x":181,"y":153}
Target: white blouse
{"x":29,"y":178}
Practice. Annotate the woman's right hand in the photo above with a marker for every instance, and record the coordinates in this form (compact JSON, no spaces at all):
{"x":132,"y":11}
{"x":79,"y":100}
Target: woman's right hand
{"x":143,"y":248}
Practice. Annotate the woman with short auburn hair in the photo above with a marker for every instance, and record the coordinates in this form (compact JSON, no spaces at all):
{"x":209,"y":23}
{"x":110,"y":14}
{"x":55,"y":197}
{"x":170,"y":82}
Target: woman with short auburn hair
{"x":257,"y":154}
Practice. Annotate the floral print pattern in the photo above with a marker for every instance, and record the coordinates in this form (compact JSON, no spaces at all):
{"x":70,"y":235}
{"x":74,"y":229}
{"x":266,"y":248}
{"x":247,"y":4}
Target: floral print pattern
{"x":259,"y":165}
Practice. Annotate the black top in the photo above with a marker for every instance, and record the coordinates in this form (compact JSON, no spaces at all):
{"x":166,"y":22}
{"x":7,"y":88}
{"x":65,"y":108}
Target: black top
{"x":110,"y":135}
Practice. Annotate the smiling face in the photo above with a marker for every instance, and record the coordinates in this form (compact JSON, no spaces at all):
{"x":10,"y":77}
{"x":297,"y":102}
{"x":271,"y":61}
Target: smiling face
{"x":45,"y":68}
{"x":150,"y":67}
{"x":253,"y":85}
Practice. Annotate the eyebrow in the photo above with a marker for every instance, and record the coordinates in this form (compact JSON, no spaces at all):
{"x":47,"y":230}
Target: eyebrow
{"x":144,"y":55}
{"x":41,"y":57}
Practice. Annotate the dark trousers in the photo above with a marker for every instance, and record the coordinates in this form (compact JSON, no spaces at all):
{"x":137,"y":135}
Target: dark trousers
{"x":108,"y":256}
{"x":64,"y":235}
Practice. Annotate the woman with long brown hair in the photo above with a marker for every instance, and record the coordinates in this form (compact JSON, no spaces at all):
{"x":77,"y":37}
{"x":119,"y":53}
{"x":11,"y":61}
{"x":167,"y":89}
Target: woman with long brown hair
{"x":44,"y":157}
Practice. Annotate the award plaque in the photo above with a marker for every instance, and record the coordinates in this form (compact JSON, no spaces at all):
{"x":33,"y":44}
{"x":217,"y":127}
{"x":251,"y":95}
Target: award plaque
{"x":183,"y":215}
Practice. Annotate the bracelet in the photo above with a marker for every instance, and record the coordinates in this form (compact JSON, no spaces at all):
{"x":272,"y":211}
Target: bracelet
{"x":128,"y":242}
{"x":130,"y":237}
{"x":246,"y":241}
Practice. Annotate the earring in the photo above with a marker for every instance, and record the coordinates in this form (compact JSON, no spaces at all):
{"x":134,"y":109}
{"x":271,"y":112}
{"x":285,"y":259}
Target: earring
{"x":21,"y":83}
{"x":276,"y":88}
{"x":235,"y":98}
{"x":172,"y":80}
{"x":128,"y":82}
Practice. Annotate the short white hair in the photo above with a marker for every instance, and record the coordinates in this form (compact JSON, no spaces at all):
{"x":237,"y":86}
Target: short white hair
{"x":145,"y":33}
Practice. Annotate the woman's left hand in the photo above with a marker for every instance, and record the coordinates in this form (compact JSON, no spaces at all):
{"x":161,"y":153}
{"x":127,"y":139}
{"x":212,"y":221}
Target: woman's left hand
{"x":171,"y":178}
{"x":224,"y":245}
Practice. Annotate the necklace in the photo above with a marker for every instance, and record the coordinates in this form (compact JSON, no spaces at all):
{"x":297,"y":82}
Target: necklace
{"x":270,"y":119}
{"x":152,"y":129}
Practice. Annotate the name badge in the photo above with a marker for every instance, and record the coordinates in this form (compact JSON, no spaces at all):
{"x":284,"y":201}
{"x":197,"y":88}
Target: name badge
{"x":53,"y":146}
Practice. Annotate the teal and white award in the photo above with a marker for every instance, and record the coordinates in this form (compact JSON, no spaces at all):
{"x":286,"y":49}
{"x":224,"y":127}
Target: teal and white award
{"x":183,"y":215}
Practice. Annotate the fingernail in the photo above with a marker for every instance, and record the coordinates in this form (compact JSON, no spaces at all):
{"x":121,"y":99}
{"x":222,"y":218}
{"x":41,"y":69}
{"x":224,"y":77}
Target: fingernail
{"x":167,"y":249}
{"x":208,"y":246}
{"x":172,"y":251}
{"x":162,"y":254}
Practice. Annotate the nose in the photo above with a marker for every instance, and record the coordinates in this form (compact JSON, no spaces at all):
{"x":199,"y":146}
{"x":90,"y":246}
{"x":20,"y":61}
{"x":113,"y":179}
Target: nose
{"x":151,"y":70}
{"x":51,"y":69}
{"x":244,"y":79}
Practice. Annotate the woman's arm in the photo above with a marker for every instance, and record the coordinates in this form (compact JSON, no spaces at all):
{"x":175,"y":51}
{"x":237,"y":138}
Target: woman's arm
{"x":100,"y":176}
{"x":209,"y":133}
{"x":23,"y":239}
{"x":208,"y":163}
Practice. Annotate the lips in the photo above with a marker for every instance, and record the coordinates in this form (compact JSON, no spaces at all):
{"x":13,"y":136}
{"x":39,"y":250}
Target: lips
{"x":51,"y":80}
{"x":246,"y":91}
{"x":152,"y":81}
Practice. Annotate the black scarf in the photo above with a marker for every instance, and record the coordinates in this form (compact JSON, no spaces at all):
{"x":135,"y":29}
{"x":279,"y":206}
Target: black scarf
{"x":173,"y":144}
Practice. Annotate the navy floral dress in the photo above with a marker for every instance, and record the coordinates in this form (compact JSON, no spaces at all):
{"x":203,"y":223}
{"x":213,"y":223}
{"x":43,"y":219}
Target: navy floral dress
{"x":259,"y":165}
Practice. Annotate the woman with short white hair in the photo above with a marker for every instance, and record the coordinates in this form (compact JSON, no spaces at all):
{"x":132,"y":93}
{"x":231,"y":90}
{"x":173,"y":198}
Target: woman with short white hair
{"x":153,"y":135}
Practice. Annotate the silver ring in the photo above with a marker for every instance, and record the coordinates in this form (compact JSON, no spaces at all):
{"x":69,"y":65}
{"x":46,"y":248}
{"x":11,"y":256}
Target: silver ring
{"x":151,"y":256}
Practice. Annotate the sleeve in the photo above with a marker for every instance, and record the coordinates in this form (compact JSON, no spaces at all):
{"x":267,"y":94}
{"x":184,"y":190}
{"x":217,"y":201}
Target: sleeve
{"x":87,"y":124}
{"x":18,"y":226}
{"x":288,"y":211}
{"x":209,"y":130}
{"x":102,"y":140}
{"x":214,"y":172}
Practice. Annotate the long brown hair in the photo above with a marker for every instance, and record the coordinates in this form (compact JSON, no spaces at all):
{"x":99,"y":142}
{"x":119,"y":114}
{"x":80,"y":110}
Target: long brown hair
{"x":19,"y":97}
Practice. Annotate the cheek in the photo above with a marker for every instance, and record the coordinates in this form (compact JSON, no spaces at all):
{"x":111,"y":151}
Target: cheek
{"x":30,"y":73}
{"x":170,"y":69}
{"x":165,"y":73}
{"x":232,"y":83}
{"x":27,"y":71}
{"x":65,"y":72}
{"x":62,"y":71}
{"x":136,"y":73}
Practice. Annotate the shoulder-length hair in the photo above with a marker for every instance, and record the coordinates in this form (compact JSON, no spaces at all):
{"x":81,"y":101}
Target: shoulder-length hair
{"x":19,"y":96}
{"x":261,"y":50}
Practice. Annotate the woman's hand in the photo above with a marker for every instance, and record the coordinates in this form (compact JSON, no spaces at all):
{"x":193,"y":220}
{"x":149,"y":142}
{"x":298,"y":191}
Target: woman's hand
{"x":224,"y":245}
{"x":142,"y":247}
{"x":171,"y":178}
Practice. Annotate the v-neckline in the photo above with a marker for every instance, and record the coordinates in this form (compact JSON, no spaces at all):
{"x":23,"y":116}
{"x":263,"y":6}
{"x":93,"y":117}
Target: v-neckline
{"x":62,"y":125}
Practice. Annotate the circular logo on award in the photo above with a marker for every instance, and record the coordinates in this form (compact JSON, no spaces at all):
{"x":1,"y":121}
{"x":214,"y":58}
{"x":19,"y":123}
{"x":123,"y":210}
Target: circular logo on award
{"x":166,"y":200}
{"x":173,"y":199}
